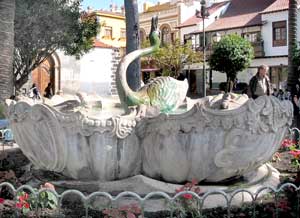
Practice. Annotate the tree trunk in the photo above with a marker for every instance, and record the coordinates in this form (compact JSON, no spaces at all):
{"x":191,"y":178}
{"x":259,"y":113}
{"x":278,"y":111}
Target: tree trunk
{"x":292,"y":41}
{"x":7,"y":15}
{"x":132,"y":42}
{"x":230,"y":83}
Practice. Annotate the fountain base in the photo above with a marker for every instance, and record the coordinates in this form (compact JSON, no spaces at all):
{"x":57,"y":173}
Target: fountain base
{"x":264,"y":176}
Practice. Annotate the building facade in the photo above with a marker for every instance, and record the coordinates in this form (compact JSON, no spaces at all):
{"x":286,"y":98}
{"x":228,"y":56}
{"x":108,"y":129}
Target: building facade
{"x":94,"y":72}
{"x":263,"y":23}
{"x":170,"y":15}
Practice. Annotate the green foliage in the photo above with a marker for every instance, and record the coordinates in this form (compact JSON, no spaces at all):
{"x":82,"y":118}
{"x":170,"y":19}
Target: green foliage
{"x":42,"y":27}
{"x":231,"y":55}
{"x":27,"y":202}
{"x":170,"y":58}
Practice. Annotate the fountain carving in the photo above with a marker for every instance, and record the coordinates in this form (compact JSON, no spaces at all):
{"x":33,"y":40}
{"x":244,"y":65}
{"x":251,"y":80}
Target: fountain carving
{"x":202,"y":143}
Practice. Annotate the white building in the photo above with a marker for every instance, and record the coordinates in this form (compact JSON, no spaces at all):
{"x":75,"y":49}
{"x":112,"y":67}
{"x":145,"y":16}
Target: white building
{"x":93,"y":73}
{"x":263,"y":23}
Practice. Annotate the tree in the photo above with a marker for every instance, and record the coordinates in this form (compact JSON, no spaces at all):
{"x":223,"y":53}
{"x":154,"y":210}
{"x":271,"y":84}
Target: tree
{"x":231,"y":55}
{"x":296,"y":59}
{"x":171,"y":57}
{"x":7,"y":14}
{"x":292,"y":42}
{"x":42,"y":27}
{"x":132,"y":42}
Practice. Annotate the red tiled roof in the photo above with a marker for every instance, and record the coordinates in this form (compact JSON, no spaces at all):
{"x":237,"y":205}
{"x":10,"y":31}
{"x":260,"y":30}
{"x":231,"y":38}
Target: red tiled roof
{"x":278,"y":5}
{"x":241,"y":13}
{"x":195,"y":20}
{"x":99,"y":44}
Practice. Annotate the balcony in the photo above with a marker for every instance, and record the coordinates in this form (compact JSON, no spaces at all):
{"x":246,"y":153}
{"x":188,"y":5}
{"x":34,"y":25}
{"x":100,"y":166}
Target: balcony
{"x":258,"y":47}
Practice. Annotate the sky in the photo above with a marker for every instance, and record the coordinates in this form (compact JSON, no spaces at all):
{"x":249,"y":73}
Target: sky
{"x":104,"y":4}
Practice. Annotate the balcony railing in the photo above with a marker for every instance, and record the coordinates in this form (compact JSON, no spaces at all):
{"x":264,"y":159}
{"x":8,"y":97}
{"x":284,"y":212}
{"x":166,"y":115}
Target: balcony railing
{"x":258,"y":48}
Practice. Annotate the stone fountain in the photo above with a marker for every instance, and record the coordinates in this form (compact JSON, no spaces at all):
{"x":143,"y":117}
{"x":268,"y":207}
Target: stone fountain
{"x":151,"y":138}
{"x":201,"y":143}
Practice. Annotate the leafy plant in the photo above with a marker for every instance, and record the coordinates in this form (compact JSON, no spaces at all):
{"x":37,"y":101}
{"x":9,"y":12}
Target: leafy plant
{"x":171,"y":57}
{"x":127,"y":211}
{"x":294,"y":149}
{"x":187,"y":206}
{"x":231,"y":55}
{"x":46,"y":199}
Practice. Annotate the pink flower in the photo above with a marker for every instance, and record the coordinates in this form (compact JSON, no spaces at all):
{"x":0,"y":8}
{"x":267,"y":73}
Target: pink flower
{"x":295,"y":153}
{"x":19,"y":205}
{"x":194,"y":182}
{"x":23,"y":197}
{"x":2,"y":200}
{"x":286,"y":143}
{"x":48,"y":185}
{"x":181,"y":189}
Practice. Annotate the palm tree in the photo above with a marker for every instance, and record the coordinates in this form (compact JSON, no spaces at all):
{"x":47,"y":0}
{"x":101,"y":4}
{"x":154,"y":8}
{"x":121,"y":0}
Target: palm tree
{"x":292,"y":37}
{"x":132,"y":42}
{"x":7,"y":14}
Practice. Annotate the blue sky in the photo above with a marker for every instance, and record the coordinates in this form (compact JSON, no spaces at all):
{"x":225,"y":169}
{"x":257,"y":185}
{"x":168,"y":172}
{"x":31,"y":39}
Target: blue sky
{"x":104,"y":4}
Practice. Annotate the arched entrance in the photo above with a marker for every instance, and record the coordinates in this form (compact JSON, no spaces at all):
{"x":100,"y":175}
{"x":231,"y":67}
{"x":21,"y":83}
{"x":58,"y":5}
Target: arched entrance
{"x":47,"y":72}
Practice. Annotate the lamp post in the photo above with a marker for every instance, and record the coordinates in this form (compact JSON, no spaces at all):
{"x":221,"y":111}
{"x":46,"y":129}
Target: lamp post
{"x":203,"y":13}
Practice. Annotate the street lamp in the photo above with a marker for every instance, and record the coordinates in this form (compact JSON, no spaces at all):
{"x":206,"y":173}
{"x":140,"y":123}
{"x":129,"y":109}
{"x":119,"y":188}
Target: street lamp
{"x":216,"y":37}
{"x":203,"y":13}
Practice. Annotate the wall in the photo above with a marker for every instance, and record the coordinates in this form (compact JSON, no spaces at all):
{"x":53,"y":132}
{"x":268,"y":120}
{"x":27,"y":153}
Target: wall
{"x":117,"y":23}
{"x":198,"y":27}
{"x":267,"y":33}
{"x":70,"y":73}
{"x":169,"y":17}
{"x":95,"y":71}
{"x":188,"y":9}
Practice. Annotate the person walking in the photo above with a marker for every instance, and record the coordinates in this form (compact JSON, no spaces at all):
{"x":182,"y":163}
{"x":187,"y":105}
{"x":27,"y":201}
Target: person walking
{"x":48,"y":91}
{"x":34,"y":92}
{"x":259,"y":84}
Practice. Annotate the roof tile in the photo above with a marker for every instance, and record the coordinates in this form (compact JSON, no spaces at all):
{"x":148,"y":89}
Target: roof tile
{"x":241,"y":13}
{"x":278,"y":5}
{"x":99,"y":44}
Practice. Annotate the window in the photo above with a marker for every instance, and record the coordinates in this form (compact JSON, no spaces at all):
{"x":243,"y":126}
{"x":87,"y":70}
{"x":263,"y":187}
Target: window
{"x":252,"y":37}
{"x":108,"y":32}
{"x":123,"y":33}
{"x":279,"y":34}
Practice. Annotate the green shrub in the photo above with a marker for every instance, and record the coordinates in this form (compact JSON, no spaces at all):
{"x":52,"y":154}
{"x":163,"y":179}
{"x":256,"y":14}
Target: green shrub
{"x":231,"y":55}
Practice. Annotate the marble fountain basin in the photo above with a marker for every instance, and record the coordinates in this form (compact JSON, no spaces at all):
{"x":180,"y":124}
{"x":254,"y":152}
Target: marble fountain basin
{"x":202,"y":143}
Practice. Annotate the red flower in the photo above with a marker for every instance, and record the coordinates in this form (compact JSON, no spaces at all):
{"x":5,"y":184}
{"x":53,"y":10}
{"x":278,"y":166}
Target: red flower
{"x":2,"y":200}
{"x":187,"y":196}
{"x":26,"y":205}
